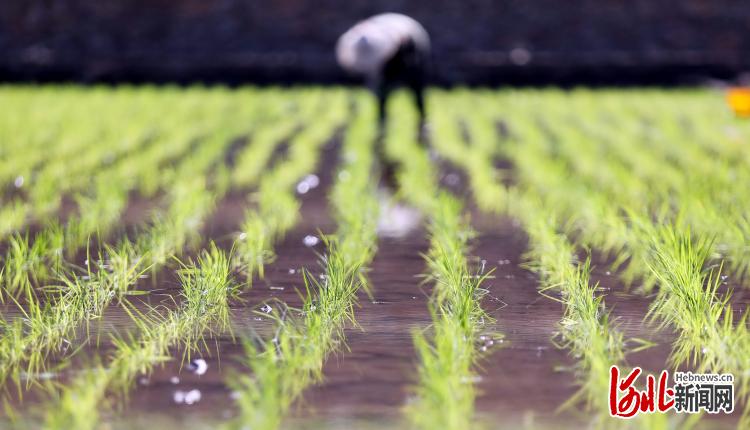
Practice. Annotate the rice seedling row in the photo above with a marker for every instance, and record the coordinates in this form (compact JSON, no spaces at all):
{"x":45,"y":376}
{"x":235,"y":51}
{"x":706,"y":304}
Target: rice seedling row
{"x":284,"y":364}
{"x":277,"y":208}
{"x":553,"y":180}
{"x":82,"y":298}
{"x":47,"y":184}
{"x":206,"y":290}
{"x":688,"y":298}
{"x":449,"y":350}
{"x":157,"y":334}
{"x":642,"y":180}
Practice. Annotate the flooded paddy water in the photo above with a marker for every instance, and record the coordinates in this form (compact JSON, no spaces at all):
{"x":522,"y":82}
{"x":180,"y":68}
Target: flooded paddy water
{"x":522,"y":381}
{"x":523,"y":376}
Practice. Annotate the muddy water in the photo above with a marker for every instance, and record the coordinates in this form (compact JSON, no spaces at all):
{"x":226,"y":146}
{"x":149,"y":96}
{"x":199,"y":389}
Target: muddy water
{"x":368,"y":385}
{"x":522,"y":383}
{"x":370,"y":381}
{"x":155,"y":397}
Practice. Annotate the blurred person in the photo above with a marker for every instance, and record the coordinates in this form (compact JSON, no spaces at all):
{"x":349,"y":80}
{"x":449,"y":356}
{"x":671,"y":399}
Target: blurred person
{"x":387,"y":50}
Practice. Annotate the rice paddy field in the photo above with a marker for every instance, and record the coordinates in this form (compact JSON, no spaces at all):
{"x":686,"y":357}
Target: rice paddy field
{"x":267,"y":258}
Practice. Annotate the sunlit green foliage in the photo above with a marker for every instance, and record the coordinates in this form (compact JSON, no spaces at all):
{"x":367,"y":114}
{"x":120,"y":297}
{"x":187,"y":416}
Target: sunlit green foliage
{"x":203,"y":311}
{"x":627,"y":174}
{"x":449,"y":350}
{"x":277,"y":209}
{"x":286,"y":363}
{"x":645,"y":179}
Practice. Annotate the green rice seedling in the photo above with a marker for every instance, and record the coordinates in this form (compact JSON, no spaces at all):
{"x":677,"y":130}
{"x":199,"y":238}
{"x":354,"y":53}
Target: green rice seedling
{"x":417,"y":179}
{"x":450,"y":349}
{"x":166,"y":237}
{"x":97,"y":215}
{"x":277,"y":212}
{"x":263,"y":403}
{"x":682,"y":265}
{"x":207,"y":288}
{"x":185,"y":128}
{"x":20,"y":262}
{"x":449,"y":235}
{"x":161,"y":241}
{"x":449,"y":352}
{"x":292,"y":359}
{"x":12,"y":217}
{"x":270,"y":133}
{"x":590,"y":215}
{"x":585,"y":328}
{"x":169,"y":234}
{"x":300,"y":345}
{"x":593,"y":170}
{"x":277,"y":208}
{"x":586,"y":214}
{"x":678,"y":262}
{"x":46,"y":188}
{"x":593,"y":203}
{"x":26,"y":263}
{"x":175,"y":231}
{"x":659,"y":171}
{"x":191,"y":200}
{"x":79,"y":299}
{"x":475,"y":157}
{"x":30,"y":105}
{"x":79,"y":410}
{"x":111,"y":160}
{"x":688,"y":299}
{"x":260,"y":234}
{"x":49,"y":327}
{"x":355,"y":214}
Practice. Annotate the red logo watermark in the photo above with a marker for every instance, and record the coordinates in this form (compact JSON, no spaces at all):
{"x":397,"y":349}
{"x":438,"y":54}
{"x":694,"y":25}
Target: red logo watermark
{"x":633,"y":401}
{"x":691,"y":393}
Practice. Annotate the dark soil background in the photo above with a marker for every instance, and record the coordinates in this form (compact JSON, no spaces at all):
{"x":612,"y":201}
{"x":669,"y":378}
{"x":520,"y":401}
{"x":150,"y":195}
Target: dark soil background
{"x":475,"y":41}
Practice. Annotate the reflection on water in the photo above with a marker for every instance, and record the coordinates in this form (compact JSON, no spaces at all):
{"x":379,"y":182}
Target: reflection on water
{"x":522,"y":384}
{"x":397,"y":220}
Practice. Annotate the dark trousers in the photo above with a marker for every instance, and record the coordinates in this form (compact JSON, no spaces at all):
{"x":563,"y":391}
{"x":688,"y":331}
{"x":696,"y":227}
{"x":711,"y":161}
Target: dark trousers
{"x":406,"y":67}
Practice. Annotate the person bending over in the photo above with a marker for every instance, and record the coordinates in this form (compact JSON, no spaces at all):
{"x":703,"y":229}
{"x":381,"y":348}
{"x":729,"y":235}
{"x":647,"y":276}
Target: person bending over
{"x":387,"y":50}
